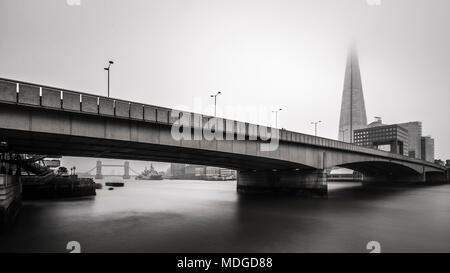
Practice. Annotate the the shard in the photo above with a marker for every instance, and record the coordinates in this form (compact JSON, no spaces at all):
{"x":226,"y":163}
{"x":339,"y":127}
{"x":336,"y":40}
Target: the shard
{"x":353,"y":110}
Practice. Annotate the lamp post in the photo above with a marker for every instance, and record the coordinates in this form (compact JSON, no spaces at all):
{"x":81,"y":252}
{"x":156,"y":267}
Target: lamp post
{"x":215,"y":102}
{"x":315,"y":126}
{"x":108,"y":69}
{"x":276,"y":117}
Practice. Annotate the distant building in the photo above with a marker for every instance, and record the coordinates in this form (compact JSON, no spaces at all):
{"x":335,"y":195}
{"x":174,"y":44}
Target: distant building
{"x":447,"y":163}
{"x":439,"y":162}
{"x":177,"y":170}
{"x":194,"y":171}
{"x":414,"y":138}
{"x":390,"y":138}
{"x":227,"y":172}
{"x":403,"y":138}
{"x":189,"y":171}
{"x":212,"y":172}
{"x":199,"y":172}
{"x":427,"y":148}
{"x":353,"y":110}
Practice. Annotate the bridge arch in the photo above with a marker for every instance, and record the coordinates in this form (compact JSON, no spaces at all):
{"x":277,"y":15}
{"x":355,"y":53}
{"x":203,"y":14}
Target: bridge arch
{"x":382,"y":168}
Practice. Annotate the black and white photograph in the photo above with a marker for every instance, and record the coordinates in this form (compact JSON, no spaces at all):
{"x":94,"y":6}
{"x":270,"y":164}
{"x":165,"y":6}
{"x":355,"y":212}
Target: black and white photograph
{"x":226,"y":133}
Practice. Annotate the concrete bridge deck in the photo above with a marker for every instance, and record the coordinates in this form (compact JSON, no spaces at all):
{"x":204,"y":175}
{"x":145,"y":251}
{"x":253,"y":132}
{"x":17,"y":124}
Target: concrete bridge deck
{"x":47,"y":120}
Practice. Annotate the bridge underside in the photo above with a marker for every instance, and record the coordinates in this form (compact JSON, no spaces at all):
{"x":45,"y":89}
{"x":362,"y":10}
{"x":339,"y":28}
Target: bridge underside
{"x":377,"y":168}
{"x":294,"y":166}
{"x":389,"y":172}
{"x":255,"y":174}
{"x":54,"y":144}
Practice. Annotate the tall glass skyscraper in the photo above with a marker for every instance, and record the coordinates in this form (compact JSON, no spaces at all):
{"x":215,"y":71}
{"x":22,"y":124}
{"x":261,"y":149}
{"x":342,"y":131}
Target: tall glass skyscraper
{"x":353,"y":110}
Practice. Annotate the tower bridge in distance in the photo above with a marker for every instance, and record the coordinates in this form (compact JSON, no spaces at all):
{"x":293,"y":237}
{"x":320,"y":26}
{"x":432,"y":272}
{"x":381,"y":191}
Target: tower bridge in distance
{"x":40,"y":119}
{"x":99,"y":167}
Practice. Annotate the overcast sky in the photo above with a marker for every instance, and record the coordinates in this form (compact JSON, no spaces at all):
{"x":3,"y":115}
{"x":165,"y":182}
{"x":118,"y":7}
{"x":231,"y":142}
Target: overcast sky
{"x":278,"y":53}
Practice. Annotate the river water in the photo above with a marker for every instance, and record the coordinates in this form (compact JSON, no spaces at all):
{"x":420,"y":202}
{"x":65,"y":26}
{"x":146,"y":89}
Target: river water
{"x":200,"y":216}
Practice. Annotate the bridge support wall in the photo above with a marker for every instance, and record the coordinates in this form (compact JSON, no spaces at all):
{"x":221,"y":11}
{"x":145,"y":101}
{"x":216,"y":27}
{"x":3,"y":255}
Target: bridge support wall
{"x":10,"y":199}
{"x":302,"y":182}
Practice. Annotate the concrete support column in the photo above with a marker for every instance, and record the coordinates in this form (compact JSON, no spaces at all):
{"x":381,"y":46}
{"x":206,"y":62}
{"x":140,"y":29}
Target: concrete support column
{"x":300,"y":182}
{"x":98,"y":174}
{"x":126,"y":170}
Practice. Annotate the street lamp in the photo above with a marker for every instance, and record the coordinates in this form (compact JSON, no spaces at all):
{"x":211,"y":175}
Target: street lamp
{"x":215,"y":101}
{"x":315,"y":126}
{"x":276,"y":117}
{"x":108,"y":69}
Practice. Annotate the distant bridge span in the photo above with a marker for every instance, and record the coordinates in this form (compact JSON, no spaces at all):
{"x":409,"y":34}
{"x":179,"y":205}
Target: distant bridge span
{"x":47,"y":120}
{"x":99,"y":166}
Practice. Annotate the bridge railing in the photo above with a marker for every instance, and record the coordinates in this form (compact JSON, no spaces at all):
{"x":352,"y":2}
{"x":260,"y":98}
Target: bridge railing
{"x":29,"y":94}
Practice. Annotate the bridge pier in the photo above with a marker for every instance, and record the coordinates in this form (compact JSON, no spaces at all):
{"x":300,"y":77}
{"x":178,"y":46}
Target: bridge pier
{"x":302,"y":182}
